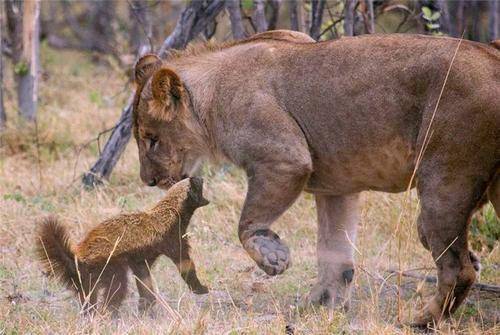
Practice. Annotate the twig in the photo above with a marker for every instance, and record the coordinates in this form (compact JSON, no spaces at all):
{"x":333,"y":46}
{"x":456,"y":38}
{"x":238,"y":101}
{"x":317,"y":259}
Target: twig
{"x":431,"y":279}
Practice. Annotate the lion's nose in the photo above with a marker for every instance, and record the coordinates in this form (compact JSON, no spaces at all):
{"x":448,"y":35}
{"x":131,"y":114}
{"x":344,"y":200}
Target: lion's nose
{"x":152,"y":182}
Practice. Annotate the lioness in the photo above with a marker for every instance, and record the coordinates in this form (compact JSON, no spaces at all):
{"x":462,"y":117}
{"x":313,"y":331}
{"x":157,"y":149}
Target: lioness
{"x":334,"y":119}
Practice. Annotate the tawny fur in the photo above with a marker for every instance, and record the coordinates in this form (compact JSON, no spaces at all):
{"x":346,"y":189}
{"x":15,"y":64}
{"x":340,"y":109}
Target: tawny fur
{"x":336,"y":118}
{"x":99,"y":263}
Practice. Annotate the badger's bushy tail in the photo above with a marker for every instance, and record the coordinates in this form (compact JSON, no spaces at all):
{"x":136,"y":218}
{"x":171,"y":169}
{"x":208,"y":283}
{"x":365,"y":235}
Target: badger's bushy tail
{"x":53,"y":247}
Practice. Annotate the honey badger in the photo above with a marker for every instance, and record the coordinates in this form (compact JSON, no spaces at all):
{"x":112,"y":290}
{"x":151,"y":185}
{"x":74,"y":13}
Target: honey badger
{"x":99,"y":263}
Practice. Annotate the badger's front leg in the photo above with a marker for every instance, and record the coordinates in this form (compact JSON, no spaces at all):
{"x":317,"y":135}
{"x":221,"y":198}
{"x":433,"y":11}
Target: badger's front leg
{"x":271,"y":190}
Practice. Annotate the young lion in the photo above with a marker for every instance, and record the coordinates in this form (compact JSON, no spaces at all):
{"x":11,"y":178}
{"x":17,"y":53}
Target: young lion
{"x":100,"y":261}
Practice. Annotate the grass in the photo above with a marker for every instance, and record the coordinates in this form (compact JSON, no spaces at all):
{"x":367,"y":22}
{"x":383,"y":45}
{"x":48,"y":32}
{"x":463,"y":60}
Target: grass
{"x":79,"y":99}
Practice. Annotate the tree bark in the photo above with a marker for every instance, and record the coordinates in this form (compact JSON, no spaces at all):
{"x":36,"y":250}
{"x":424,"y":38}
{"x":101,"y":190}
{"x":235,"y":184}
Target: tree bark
{"x":294,"y":15}
{"x":460,"y":21}
{"x":3,"y":116}
{"x":371,"y":17}
{"x":494,"y":20}
{"x":141,"y":32}
{"x":349,"y":17}
{"x":233,"y":8}
{"x":317,"y":9}
{"x":192,"y":22}
{"x":259,"y":16}
{"x":275,"y":12}
{"x":27,"y":90}
{"x":445,"y":21}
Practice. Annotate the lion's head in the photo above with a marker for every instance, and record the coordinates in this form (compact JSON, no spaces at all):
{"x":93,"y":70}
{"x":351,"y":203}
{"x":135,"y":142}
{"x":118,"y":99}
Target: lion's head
{"x":166,"y":132}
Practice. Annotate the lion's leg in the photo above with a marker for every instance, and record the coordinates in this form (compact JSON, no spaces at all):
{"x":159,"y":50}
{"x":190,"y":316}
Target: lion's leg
{"x":338,"y":217}
{"x":271,"y":190}
{"x":494,"y":193}
{"x":445,"y":213}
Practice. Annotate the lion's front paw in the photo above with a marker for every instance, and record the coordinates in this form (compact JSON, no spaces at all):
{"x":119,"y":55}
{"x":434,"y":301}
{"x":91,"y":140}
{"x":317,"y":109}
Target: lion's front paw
{"x":267,"y":250}
{"x":327,"y":296}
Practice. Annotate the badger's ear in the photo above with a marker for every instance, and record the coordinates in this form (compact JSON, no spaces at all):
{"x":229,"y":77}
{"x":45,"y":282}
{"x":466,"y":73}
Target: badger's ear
{"x":167,"y":90}
{"x":145,"y":67}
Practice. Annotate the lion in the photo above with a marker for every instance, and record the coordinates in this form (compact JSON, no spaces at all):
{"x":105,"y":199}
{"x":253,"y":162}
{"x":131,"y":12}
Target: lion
{"x":334,"y":118}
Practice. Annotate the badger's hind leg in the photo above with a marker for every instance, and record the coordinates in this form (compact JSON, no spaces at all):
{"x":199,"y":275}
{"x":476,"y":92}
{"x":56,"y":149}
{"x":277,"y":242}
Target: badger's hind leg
{"x":114,"y":284}
{"x":147,"y":294}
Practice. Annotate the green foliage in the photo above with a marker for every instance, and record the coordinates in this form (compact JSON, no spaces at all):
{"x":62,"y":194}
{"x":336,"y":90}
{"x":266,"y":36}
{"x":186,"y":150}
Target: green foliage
{"x":21,"y":68}
{"x":96,"y":98}
{"x":247,"y":4}
{"x":16,"y":196}
{"x":485,"y":229}
{"x":431,"y":20}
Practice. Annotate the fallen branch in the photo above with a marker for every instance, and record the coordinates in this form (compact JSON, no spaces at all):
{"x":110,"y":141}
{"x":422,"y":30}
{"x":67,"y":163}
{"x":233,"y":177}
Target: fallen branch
{"x":431,"y":279}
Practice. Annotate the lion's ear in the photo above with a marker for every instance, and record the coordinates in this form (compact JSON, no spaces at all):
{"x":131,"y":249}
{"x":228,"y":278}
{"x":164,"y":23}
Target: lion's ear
{"x":145,"y":67}
{"x":167,"y":90}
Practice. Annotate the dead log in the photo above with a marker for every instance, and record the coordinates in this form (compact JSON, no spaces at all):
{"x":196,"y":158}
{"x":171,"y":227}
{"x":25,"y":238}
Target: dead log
{"x":194,"y":19}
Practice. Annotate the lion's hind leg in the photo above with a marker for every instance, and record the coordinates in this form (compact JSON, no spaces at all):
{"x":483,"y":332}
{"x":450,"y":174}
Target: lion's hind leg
{"x":446,"y":208}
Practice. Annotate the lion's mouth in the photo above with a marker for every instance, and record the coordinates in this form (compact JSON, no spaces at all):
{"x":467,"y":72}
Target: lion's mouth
{"x":166,"y":183}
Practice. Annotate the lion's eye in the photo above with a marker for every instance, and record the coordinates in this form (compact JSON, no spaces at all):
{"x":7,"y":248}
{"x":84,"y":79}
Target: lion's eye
{"x":153,"y":143}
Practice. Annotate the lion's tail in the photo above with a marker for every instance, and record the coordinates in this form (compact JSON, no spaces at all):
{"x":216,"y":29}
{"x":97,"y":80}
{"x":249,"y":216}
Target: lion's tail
{"x":53,"y":247}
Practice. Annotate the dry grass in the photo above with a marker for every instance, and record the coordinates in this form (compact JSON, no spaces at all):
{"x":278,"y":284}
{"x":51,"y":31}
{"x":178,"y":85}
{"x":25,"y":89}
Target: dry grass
{"x":79,"y":99}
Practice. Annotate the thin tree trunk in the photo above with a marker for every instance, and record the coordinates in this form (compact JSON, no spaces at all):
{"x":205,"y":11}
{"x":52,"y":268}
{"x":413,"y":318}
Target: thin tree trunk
{"x":475,"y":21}
{"x":141,"y":32}
{"x":349,"y":17}
{"x":317,"y":9}
{"x":494,"y":24}
{"x":259,"y":16}
{"x":294,"y":15}
{"x":27,"y":90}
{"x":233,"y":8}
{"x":371,"y":17}
{"x":460,"y":23}
{"x":3,"y":116}
{"x":275,"y":11}
{"x":192,"y":22}
{"x":445,"y":20}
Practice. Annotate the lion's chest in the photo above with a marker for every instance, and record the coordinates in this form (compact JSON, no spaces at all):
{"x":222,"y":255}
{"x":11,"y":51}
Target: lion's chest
{"x":385,"y":167}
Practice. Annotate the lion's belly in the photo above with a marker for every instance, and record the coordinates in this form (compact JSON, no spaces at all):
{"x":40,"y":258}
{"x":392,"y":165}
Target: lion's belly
{"x":385,"y":168}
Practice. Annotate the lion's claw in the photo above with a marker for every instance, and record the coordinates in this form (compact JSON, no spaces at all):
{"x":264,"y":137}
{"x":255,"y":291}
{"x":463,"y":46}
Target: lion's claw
{"x":267,"y":250}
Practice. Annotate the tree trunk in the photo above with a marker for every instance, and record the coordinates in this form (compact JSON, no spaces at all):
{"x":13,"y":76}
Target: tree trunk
{"x":294,"y":15}
{"x":371,"y":17}
{"x":460,"y":18}
{"x":259,"y":16}
{"x":27,"y":90}
{"x":233,"y":8}
{"x":141,"y":32}
{"x":445,"y":21}
{"x":192,"y":22}
{"x":3,"y":116}
{"x":494,"y":24}
{"x":349,"y":17}
{"x":317,"y":9}
{"x":275,"y":12}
